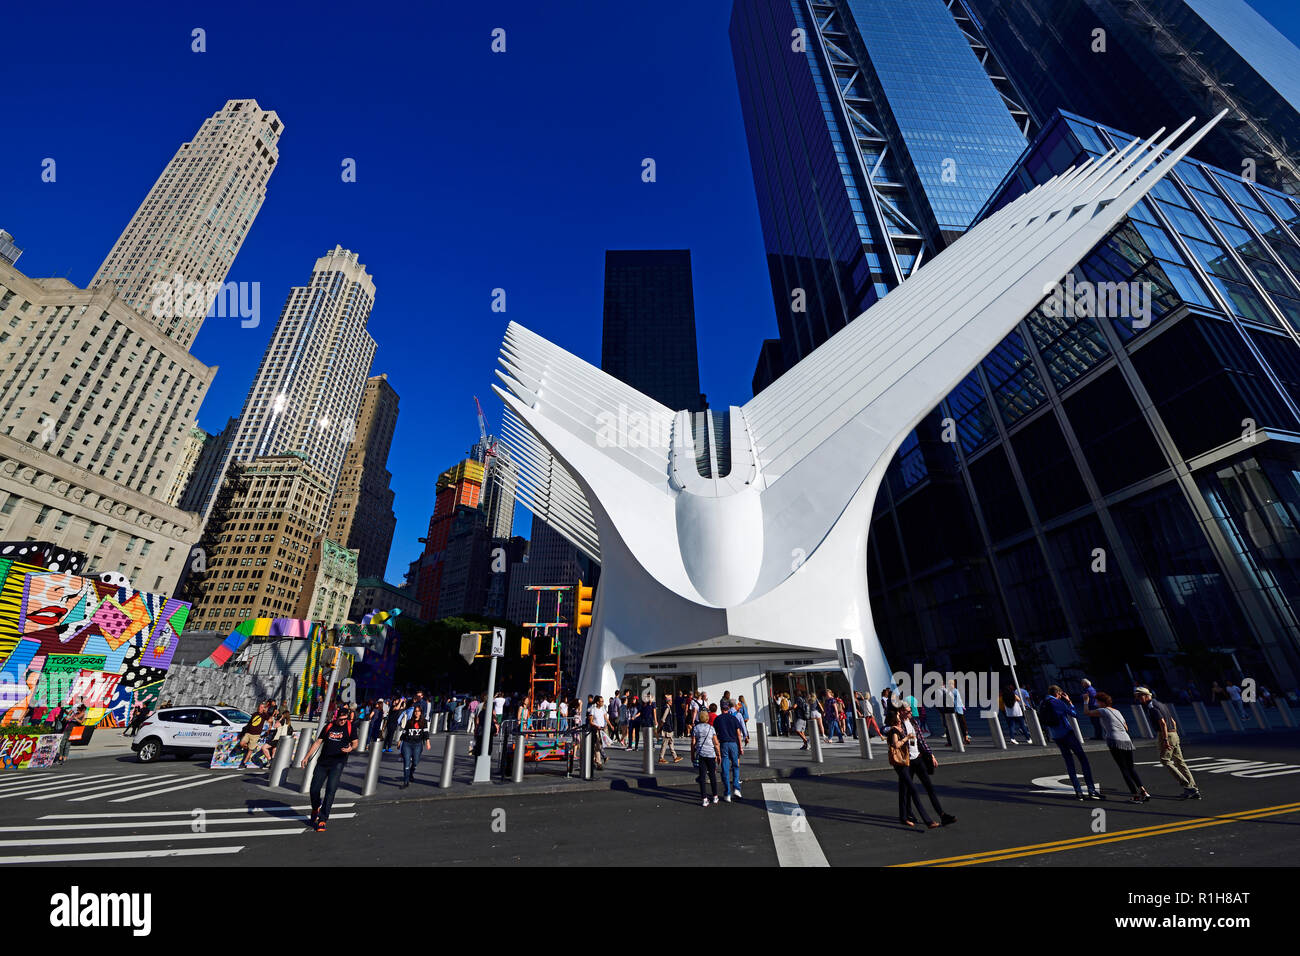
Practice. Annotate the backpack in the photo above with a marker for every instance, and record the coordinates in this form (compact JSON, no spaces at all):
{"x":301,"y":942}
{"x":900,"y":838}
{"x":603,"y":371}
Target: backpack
{"x":1048,"y":714}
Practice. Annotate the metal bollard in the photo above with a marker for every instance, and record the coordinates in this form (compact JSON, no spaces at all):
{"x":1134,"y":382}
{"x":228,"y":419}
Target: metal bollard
{"x":448,"y":762}
{"x":1284,"y":711}
{"x":995,"y":731}
{"x":764,"y":756}
{"x":283,"y":755}
{"x":648,"y":741}
{"x":372,"y":771}
{"x":1202,"y":717}
{"x":954,"y":733}
{"x":588,"y":757}
{"x":1036,"y":728}
{"x":1141,"y":723}
{"x":1074,"y":724}
{"x":300,"y":747}
{"x":1260,"y":717}
{"x":864,"y":741}
{"x":517,"y":766}
{"x":1233,"y":722}
{"x":815,"y":742}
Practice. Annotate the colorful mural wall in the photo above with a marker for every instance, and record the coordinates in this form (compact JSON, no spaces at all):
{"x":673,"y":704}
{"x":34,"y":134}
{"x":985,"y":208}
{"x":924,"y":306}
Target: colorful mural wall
{"x":68,"y":640}
{"x":311,"y":683}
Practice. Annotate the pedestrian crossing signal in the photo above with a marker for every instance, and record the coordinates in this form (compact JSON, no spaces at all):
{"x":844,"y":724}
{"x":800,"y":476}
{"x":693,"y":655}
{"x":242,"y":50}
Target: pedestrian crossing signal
{"x":525,"y":647}
{"x":582,"y":613}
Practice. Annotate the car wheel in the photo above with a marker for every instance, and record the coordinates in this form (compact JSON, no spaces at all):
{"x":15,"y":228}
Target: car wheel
{"x":150,"y":750}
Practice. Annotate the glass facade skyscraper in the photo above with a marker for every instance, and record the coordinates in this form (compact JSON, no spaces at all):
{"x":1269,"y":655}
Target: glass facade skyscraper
{"x":1155,"y":63}
{"x":1118,"y":493}
{"x":648,"y":333}
{"x":876,"y":132}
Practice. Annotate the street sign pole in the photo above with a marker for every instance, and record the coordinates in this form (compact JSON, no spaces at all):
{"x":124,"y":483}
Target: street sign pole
{"x":483,"y":763}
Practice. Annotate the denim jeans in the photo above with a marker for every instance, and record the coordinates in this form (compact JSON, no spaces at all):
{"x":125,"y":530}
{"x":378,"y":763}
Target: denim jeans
{"x":411,"y":750}
{"x":325,"y":777}
{"x":730,"y":767}
{"x":1070,"y":747}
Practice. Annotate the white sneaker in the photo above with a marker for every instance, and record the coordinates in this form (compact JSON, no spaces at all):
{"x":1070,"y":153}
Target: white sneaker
{"x":1015,"y":742}
{"x":727,"y":798}
{"x":737,"y":795}
{"x":706,"y":802}
{"x":715,"y":800}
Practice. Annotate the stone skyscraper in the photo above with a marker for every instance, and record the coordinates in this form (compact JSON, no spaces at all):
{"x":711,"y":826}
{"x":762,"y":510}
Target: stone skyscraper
{"x":361,"y":515}
{"x":195,"y":218}
{"x":307,"y":392}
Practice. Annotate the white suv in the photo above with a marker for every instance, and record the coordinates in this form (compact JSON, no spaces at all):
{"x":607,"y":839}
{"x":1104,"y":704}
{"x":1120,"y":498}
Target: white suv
{"x":184,"y":731}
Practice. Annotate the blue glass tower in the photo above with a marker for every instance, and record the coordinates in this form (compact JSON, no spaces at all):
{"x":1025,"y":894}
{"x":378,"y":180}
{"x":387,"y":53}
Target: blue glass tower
{"x":876,"y":132}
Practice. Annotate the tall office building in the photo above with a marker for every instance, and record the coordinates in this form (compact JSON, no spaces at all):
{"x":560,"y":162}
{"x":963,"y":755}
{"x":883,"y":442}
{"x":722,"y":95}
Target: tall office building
{"x":95,"y":407}
{"x":191,"y":455}
{"x":329,"y":584}
{"x":648,"y":334}
{"x":1143,"y":64}
{"x":207,"y":470}
{"x":459,"y":489}
{"x":307,"y":393}
{"x":262,"y":552}
{"x":197,"y":215}
{"x":500,"y":483}
{"x":876,"y":132}
{"x":361,"y":515}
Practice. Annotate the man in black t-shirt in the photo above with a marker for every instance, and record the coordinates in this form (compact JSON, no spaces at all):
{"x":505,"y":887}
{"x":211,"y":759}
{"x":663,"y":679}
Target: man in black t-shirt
{"x":335,"y":743}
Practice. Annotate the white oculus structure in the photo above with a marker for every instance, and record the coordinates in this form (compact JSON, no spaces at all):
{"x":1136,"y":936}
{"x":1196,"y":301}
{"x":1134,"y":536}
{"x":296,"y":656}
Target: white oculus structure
{"x":730,"y":543}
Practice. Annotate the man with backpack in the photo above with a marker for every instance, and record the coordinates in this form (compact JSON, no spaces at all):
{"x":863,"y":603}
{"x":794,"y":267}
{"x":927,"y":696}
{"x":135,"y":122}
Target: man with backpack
{"x":1055,"y":713}
{"x":335,"y":743}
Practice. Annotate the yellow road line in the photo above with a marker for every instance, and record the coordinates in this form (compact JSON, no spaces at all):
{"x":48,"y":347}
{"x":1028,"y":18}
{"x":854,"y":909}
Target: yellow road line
{"x":1035,"y":849}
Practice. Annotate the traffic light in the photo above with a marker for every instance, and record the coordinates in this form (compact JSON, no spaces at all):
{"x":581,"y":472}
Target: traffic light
{"x":525,"y":647}
{"x":333,"y":660}
{"x":582,"y":610}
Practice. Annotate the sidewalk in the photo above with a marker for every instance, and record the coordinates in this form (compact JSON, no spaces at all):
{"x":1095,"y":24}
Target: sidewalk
{"x":624,"y":769}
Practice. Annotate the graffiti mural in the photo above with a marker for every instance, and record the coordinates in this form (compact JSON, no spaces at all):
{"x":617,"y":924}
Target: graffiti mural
{"x":21,"y":751}
{"x":67,"y":640}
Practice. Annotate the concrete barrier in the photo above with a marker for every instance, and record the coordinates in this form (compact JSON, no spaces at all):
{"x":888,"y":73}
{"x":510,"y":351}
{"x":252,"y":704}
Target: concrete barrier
{"x":448,"y":762}
{"x":1233,"y":720}
{"x":1202,"y":717}
{"x":815,"y":742}
{"x":995,"y":731}
{"x":954,"y":733}
{"x":764,"y":755}
{"x":1284,"y":711}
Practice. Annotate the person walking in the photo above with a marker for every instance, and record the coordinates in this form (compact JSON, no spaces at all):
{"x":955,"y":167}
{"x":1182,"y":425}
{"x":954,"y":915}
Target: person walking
{"x":667,"y":730}
{"x":732,"y":740}
{"x":1115,"y":733}
{"x":1234,"y":695}
{"x":597,"y":717}
{"x":959,"y":709}
{"x":1163,"y":723}
{"x":337,"y":741}
{"x":903,"y":749}
{"x":413,"y":728}
{"x":390,"y":723}
{"x":1014,"y":708}
{"x":924,"y":766}
{"x":800,"y":708}
{"x":742,"y":712}
{"x":784,"y":724}
{"x":1055,"y":713}
{"x":704,"y":753}
{"x":833,"y":725}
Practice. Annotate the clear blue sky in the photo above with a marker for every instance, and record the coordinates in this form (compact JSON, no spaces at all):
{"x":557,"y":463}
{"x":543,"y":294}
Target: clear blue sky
{"x":475,"y":171}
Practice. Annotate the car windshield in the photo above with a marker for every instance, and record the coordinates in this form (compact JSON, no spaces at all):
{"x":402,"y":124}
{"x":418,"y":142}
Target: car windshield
{"x":233,"y":715}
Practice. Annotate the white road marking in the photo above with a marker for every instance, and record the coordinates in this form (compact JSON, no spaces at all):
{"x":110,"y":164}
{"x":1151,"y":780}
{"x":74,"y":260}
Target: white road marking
{"x":154,"y":793}
{"x":140,"y":838}
{"x":127,"y":855}
{"x":796,"y":845}
{"x":23,"y":780}
{"x":165,"y":778}
{"x":47,"y":828}
{"x":174,"y":813}
{"x":48,"y":785}
{"x":84,"y":788}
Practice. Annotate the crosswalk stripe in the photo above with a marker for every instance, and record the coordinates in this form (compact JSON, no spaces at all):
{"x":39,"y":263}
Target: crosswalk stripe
{"x":186,"y":813}
{"x":144,"y":837}
{"x":166,"y":778}
{"x":795,"y":843}
{"x":154,"y":793}
{"x":84,"y":788}
{"x":127,"y":855}
{"x":47,"y":828}
{"x":26,"y":781}
{"x":31,"y":787}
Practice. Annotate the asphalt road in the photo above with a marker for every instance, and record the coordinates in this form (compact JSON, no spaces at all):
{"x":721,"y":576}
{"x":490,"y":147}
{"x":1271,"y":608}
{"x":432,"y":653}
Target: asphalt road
{"x":1011,"y":812}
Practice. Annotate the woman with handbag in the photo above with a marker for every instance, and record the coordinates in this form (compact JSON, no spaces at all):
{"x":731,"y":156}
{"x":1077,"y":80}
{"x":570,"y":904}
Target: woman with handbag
{"x":902,"y":746}
{"x":922,"y":768}
{"x":1115,"y":731}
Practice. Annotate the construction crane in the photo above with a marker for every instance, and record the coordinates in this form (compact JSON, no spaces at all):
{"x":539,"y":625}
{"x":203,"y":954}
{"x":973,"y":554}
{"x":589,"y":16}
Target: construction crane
{"x":489,"y":446}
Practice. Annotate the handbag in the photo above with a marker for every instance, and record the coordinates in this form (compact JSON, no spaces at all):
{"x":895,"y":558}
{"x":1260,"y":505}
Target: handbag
{"x":899,"y":753}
